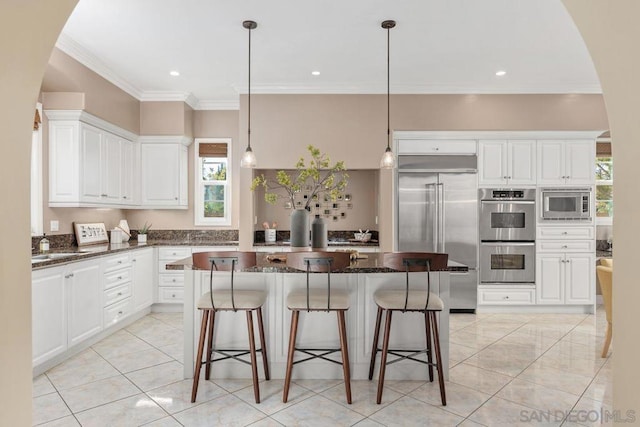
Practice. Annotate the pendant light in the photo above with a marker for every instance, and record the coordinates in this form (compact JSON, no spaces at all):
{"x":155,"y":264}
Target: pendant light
{"x":248,"y":158}
{"x":388,"y":161}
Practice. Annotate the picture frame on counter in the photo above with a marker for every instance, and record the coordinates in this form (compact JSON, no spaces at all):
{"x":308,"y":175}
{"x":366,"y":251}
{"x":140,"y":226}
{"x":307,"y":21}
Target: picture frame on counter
{"x":90,"y":233}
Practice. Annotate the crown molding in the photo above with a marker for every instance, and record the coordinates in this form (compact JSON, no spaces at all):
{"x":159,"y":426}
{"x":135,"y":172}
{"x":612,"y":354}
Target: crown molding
{"x":83,"y":116}
{"x":83,"y":56}
{"x":473,"y":135}
{"x":219,"y":105}
{"x":417,"y":89}
{"x":164,"y":96}
{"x":165,"y":139}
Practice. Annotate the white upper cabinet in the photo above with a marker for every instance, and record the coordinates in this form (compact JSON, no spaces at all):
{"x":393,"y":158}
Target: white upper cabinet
{"x":164,"y":163}
{"x":507,"y":162}
{"x":566,"y":162}
{"x":89,"y":161}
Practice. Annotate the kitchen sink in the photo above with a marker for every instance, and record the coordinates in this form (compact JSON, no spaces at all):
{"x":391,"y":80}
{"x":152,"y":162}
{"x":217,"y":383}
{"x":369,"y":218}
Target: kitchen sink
{"x":55,"y":255}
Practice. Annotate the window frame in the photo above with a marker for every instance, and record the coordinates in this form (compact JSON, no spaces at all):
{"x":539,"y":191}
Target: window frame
{"x":199,"y":218}
{"x":608,"y":220}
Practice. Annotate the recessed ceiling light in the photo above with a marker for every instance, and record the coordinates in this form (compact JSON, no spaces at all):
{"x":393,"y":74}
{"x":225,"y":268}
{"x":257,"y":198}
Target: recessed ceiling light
{"x":500,"y":73}
{"x":315,"y":73}
{"x":174,"y":73}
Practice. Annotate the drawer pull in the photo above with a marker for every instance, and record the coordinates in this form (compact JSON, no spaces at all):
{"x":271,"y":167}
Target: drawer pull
{"x":120,"y":312}
{"x":506,"y":297}
{"x":564,"y":246}
{"x":173,"y":295}
{"x":119,"y":293}
{"x":119,"y":277}
{"x":120,"y":262}
{"x":174,"y":280}
{"x":68,"y":276}
{"x":134,"y":260}
{"x":564,"y":233}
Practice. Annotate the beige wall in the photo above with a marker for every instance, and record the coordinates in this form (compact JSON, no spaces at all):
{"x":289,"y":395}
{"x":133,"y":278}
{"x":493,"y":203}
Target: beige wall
{"x":362,"y":186}
{"x":611,"y":32}
{"x":28,"y":30}
{"x":62,"y":101}
{"x":162,"y":118}
{"x":353,"y":128}
{"x":213,"y":124}
{"x":102,"y":98}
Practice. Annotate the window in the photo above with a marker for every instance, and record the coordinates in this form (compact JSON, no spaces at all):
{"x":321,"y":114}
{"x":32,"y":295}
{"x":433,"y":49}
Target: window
{"x":213,"y":182}
{"x":604,"y":183}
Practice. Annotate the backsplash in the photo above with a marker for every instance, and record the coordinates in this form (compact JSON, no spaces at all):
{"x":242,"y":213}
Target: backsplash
{"x":58,"y":241}
{"x":333,"y":235}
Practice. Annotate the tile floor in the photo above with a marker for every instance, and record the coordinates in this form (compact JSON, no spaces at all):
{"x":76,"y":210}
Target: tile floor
{"x":506,"y":369}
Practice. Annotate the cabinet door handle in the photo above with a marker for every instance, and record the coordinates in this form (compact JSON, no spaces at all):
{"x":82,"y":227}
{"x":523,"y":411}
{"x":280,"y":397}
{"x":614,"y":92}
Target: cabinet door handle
{"x":120,"y":312}
{"x":564,"y":246}
{"x":120,"y":262}
{"x":506,"y":297}
{"x":568,"y":261}
{"x":173,"y":295}
{"x":134,"y":260}
{"x":124,"y":197}
{"x":174,"y":280}
{"x":564,"y":233}
{"x":103,"y":195}
{"x":119,"y":293}
{"x":119,"y":277}
{"x":68,"y":276}
{"x":175,"y":198}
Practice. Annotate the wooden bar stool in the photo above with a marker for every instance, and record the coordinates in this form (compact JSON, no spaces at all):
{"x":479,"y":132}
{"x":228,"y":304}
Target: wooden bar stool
{"x":410,"y":301}
{"x":229,"y":300}
{"x":313,"y":299}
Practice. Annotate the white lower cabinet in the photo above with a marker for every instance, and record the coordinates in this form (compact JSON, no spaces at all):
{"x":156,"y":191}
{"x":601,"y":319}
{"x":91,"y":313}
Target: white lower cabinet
{"x":171,"y":282}
{"x":565,"y":278}
{"x":84,"y":300}
{"x":507,"y":295}
{"x":142,"y":261}
{"x":48,"y":315}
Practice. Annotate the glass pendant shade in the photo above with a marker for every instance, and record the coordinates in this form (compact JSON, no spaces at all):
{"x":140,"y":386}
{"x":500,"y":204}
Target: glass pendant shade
{"x":248,"y":159}
{"x":387,"y":161}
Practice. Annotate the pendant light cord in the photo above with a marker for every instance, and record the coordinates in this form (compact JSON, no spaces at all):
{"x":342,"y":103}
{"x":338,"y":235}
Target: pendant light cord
{"x":388,"y":95}
{"x":249,"y":97}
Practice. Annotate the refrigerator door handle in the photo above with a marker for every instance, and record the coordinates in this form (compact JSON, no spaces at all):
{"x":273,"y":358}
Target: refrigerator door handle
{"x":434,"y":218}
{"x":441,"y":237}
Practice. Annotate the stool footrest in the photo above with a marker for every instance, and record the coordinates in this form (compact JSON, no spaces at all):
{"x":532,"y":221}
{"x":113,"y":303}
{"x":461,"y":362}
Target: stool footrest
{"x":225,"y":352}
{"x":325,"y":351}
{"x":400,"y":356}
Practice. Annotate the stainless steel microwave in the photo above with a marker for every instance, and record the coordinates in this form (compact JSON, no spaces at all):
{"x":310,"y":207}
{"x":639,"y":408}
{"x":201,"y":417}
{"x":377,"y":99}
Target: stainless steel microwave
{"x":565,"y":204}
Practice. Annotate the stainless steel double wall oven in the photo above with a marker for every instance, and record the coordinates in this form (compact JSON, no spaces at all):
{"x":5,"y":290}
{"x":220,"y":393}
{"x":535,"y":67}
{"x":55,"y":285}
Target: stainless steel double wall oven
{"x":507,"y":236}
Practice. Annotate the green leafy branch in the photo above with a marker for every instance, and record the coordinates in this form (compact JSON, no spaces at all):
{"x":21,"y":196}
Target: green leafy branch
{"x":318,"y":175}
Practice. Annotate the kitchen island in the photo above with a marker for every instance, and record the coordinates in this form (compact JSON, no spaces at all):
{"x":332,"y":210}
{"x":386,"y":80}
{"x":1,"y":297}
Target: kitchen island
{"x":361,"y":279}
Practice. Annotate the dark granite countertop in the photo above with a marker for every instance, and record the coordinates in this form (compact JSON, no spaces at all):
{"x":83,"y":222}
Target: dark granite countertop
{"x":75,"y":253}
{"x":332,"y":243}
{"x":604,"y":254}
{"x":371,"y":264}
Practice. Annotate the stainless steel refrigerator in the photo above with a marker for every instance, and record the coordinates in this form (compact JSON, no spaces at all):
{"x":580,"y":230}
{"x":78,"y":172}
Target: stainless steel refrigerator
{"x":437,"y":211}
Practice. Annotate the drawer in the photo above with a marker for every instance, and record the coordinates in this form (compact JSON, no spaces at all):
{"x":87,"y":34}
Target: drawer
{"x":568,"y":232}
{"x":565,"y":245}
{"x":162,"y":267}
{"x":171,"y":295}
{"x":117,"y":262}
{"x":176,"y":280}
{"x":434,"y":146}
{"x":119,"y":293}
{"x":174,"y":253}
{"x":117,"y":277}
{"x":507,"y":296}
{"x":118,"y":311}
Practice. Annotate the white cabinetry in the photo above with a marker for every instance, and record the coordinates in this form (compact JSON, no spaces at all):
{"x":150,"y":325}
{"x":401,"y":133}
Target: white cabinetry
{"x":84,"y":300}
{"x":143,"y":273}
{"x":565,"y":265}
{"x":164,"y":163}
{"x":118,"y":288}
{"x":171,"y":282}
{"x":507,"y":162}
{"x":566,"y":162}
{"x":88,"y":161}
{"x":48,"y":315}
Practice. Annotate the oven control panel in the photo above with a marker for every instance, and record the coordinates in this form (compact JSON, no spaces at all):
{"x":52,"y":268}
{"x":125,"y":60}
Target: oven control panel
{"x":507,"y":194}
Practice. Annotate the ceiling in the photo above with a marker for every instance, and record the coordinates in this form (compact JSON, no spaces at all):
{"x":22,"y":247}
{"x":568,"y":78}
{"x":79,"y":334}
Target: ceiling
{"x":438,"y":46}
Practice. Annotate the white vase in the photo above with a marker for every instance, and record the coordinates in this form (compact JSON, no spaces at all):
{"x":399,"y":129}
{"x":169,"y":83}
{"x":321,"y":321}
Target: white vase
{"x":142,"y":238}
